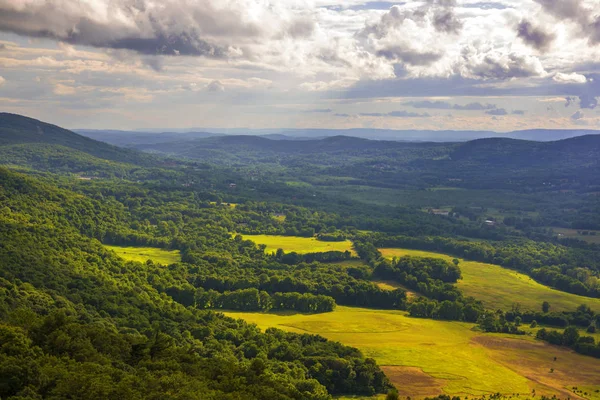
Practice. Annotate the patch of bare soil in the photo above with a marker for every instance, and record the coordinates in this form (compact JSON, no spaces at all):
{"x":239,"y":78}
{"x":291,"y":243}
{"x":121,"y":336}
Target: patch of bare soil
{"x":552,"y":369}
{"x":413,"y":382}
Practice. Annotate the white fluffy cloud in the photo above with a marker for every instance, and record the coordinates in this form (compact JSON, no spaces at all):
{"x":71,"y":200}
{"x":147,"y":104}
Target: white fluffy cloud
{"x":163,"y":55}
{"x":569,"y":78}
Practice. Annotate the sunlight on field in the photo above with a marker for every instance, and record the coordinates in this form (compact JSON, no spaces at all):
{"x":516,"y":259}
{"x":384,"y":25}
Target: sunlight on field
{"x":500,"y":288}
{"x":299,"y":245}
{"x":143,"y":254}
{"x":432,"y":357}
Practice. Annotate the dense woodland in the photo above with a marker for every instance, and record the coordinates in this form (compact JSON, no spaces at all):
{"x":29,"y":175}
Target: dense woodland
{"x":76,"y":321}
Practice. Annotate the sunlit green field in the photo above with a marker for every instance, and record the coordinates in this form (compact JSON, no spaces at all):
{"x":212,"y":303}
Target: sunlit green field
{"x":299,"y":245}
{"x":500,"y":288}
{"x":143,"y":254}
{"x":425,"y":357}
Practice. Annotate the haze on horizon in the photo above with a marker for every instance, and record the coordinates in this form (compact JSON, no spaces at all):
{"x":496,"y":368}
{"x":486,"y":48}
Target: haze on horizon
{"x":437,"y":64}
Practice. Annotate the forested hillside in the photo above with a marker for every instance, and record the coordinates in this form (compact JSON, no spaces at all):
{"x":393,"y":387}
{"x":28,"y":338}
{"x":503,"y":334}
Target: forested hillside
{"x":79,"y":321}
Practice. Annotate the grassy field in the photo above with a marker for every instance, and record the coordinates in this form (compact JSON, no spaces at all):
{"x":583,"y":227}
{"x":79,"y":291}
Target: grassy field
{"x":500,"y":288}
{"x":299,"y":245}
{"x":143,"y":254}
{"x":576,"y":234}
{"x":424,"y":357}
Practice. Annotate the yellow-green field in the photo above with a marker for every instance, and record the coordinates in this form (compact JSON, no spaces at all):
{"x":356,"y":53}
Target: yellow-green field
{"x":143,"y":254}
{"x":300,"y":245}
{"x":425,"y":357}
{"x":500,"y":288}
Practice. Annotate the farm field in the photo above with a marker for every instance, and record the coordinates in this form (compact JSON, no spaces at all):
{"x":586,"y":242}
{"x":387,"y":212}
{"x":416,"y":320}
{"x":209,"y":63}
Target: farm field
{"x":500,"y":288}
{"x":300,"y":245}
{"x":425,"y":357}
{"x":577,"y":234}
{"x":143,"y":254}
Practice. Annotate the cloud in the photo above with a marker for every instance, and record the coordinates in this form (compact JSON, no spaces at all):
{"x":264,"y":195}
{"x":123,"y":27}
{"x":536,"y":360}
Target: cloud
{"x":444,"y":18}
{"x":577,"y":12}
{"x":397,"y":114}
{"x":497,"y":111}
{"x":208,"y":28}
{"x":63,"y":90}
{"x":496,"y":64}
{"x":412,"y":35}
{"x":215,"y":86}
{"x":569,"y":78}
{"x":518,"y":112}
{"x":577,"y":116}
{"x":319,"y":110}
{"x":341,"y":115}
{"x":2,"y":80}
{"x":409,"y":56}
{"x":442,"y":105}
{"x":535,"y":36}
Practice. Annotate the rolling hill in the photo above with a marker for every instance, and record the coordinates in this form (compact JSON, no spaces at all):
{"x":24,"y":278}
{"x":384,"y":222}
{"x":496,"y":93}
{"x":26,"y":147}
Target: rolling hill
{"x":20,"y":130}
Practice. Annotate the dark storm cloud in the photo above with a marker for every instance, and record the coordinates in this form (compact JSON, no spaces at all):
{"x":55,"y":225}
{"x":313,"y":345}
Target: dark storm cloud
{"x":497,"y":111}
{"x":535,"y":36}
{"x":518,"y":112}
{"x":442,"y":105}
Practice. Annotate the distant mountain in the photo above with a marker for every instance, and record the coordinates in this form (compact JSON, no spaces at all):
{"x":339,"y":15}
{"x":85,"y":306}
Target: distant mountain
{"x":134,"y":138}
{"x":19,"y":130}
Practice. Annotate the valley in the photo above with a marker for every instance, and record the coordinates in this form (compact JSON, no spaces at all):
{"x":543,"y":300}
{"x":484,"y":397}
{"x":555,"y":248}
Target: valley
{"x":331,"y":268}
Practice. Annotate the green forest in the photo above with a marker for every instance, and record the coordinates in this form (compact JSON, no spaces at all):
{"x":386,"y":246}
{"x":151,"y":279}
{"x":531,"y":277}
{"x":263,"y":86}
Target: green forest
{"x":77,"y":321}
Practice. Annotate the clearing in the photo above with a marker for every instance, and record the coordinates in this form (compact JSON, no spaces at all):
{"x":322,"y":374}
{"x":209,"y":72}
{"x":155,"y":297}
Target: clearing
{"x":581,"y":234}
{"x":300,"y":245}
{"x":425,"y":357}
{"x":500,"y":288}
{"x":143,"y":254}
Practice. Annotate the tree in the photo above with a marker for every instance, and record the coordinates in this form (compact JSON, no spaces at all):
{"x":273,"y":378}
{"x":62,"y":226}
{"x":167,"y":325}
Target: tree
{"x":545,"y":307}
{"x":570,"y":336}
{"x":392,"y":395}
{"x":533,"y":324}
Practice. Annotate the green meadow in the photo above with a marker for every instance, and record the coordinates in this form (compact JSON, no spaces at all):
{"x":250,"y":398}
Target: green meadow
{"x":424,"y":357}
{"x":143,"y":254}
{"x":300,"y":245}
{"x":500,"y":288}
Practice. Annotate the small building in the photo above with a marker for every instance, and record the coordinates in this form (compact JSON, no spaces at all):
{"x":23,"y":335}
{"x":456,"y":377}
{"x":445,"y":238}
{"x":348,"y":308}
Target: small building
{"x":232,"y":186}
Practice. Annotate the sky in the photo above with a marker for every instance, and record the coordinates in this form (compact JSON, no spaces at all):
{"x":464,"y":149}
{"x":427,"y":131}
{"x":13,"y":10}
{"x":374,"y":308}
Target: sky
{"x":498,"y":65}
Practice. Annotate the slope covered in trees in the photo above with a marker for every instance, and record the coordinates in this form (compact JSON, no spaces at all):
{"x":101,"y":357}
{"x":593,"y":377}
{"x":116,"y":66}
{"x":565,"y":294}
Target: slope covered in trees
{"x":77,"y":322}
